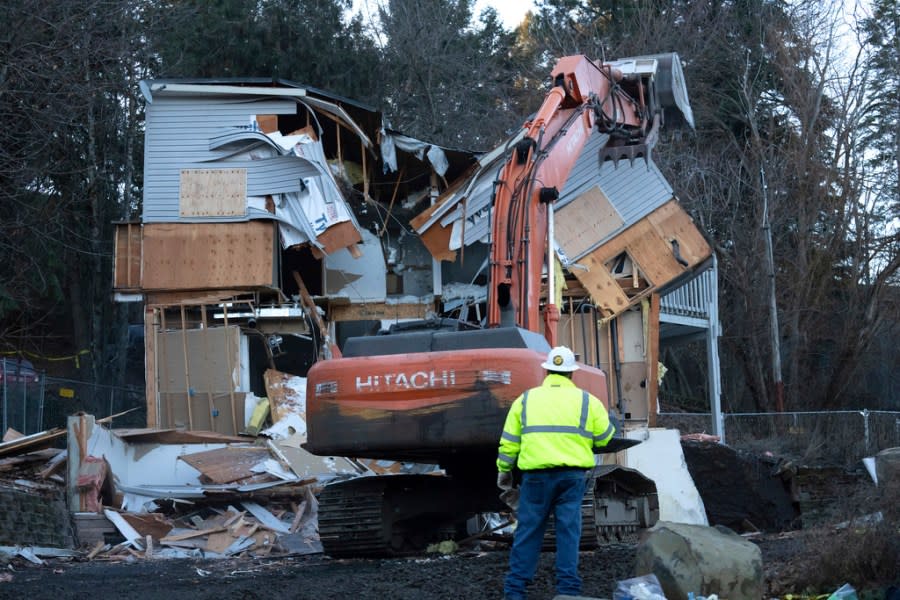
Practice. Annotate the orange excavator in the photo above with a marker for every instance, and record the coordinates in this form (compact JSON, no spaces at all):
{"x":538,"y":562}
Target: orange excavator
{"x":437,"y":392}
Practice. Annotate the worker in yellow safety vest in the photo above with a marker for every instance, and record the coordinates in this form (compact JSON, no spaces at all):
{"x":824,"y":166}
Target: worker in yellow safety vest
{"x":549,"y":434}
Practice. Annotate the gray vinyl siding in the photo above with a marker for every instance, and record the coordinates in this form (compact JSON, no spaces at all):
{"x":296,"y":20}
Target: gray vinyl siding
{"x":634,"y":189}
{"x":178,"y":133}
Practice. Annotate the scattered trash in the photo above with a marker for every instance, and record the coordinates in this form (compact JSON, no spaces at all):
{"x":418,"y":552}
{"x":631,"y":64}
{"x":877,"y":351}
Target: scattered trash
{"x":445,"y":547}
{"x":845,"y":592}
{"x":645,"y":587}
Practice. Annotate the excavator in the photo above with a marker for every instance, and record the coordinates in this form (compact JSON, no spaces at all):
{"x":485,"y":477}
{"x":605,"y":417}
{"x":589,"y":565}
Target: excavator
{"x":437,"y":392}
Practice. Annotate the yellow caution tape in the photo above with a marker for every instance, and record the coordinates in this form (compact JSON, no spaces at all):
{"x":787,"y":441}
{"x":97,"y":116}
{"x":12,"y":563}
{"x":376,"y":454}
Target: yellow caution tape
{"x":75,"y":357}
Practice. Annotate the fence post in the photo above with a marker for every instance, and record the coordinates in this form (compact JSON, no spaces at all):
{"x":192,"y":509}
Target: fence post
{"x":40,"y":422}
{"x":865,"y":415}
{"x":24,"y":407}
{"x":5,"y":377}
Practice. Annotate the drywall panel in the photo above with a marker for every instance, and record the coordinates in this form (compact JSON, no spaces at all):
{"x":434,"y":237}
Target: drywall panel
{"x":359,"y":279}
{"x":191,"y":256}
{"x":199,"y":359}
{"x":659,"y":456}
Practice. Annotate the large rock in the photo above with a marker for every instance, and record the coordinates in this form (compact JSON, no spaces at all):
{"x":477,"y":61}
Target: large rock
{"x":702,"y":560}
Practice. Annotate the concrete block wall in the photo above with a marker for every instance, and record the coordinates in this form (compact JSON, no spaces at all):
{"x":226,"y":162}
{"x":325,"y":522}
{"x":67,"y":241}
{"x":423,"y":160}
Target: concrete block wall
{"x":34,"y":519}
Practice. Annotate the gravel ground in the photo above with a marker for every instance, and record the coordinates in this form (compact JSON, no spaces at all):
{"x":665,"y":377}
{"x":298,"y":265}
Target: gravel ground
{"x":472,"y":576}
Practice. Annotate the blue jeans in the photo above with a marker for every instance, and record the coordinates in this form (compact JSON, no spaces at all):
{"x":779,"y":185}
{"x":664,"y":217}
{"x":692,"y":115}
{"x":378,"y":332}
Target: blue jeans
{"x":543,"y":493}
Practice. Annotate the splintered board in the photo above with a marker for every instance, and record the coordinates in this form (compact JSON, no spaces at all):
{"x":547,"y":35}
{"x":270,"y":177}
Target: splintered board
{"x":583,"y":222}
{"x":191,"y":256}
{"x":213,"y":193}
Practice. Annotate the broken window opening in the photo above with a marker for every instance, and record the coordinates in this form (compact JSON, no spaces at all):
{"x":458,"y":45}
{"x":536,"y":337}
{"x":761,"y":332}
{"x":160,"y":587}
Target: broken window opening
{"x":628,"y":274}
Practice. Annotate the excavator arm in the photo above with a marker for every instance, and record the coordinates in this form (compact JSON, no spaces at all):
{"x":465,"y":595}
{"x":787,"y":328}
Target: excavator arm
{"x":585,"y":95}
{"x":438,"y":391}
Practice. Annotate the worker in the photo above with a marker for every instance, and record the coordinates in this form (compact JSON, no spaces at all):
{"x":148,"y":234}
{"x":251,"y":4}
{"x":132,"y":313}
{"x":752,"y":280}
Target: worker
{"x":549,"y":434}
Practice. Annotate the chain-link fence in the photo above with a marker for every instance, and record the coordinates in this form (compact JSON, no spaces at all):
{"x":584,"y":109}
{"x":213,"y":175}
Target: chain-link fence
{"x":835,"y":437}
{"x":37,"y":406}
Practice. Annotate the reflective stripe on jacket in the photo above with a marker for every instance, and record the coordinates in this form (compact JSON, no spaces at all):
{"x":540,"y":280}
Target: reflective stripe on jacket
{"x":554,"y":425}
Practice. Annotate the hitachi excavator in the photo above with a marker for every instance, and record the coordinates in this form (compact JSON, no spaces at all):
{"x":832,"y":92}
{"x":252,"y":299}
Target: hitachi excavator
{"x":438,"y":392}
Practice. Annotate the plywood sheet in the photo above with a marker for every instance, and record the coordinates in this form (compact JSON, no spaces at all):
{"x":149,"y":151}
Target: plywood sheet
{"x":603,"y":288}
{"x":437,"y":240}
{"x":585,"y":221}
{"x":213,"y":193}
{"x":228,"y":464}
{"x":224,"y":416}
{"x":127,"y":274}
{"x":341,"y":235}
{"x":203,"y":256}
{"x":674,"y":224}
{"x":212,"y":357}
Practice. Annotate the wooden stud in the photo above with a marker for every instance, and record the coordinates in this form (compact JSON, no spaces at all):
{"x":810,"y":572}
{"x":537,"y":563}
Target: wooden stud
{"x":571,"y":322}
{"x":209,"y":383}
{"x":151,"y":378}
{"x":364,"y":169}
{"x":170,"y":417}
{"x":187,"y":372}
{"x":387,"y":217}
{"x":653,"y":358}
{"x":234,"y":420}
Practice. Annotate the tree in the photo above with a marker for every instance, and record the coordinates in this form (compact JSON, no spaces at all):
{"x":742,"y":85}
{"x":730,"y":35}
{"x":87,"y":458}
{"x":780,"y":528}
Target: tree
{"x":67,"y":87}
{"x":453,"y":86}
{"x":306,"y":41}
{"x":769,"y":97}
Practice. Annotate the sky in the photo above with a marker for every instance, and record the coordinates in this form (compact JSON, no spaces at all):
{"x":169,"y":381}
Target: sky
{"x":511,"y":12}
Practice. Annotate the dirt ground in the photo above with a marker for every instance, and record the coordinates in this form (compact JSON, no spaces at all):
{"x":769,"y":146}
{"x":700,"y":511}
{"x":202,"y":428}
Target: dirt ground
{"x":475,"y":575}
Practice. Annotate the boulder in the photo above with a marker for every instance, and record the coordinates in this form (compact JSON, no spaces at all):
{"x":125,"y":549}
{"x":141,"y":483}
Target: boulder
{"x":702,"y":560}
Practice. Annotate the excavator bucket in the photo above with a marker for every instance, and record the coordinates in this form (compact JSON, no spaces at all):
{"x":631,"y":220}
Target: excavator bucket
{"x":663,"y":79}
{"x":672,"y":92}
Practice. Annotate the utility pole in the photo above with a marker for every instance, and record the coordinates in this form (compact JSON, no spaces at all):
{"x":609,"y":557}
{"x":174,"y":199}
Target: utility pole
{"x":773,"y":307}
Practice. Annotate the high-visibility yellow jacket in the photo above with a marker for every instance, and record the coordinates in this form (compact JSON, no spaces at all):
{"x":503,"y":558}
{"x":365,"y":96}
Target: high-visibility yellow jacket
{"x":554,"y":425}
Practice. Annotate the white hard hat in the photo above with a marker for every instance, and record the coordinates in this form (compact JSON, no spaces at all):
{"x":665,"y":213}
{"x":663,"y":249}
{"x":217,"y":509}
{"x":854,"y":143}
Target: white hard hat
{"x":560,"y":359}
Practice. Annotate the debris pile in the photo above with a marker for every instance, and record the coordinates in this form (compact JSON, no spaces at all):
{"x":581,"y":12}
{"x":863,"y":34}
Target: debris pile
{"x":168,"y":493}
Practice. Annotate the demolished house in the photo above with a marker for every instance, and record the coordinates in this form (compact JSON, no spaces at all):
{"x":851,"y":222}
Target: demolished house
{"x":279,"y":220}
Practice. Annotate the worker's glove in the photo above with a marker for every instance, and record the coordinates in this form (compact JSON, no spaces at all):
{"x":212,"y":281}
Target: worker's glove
{"x":510,"y":498}
{"x":510,"y":494}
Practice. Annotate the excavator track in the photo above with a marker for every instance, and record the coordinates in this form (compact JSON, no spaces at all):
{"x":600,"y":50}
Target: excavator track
{"x":391,"y":515}
{"x":618,"y":503}
{"x":351,"y":521}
